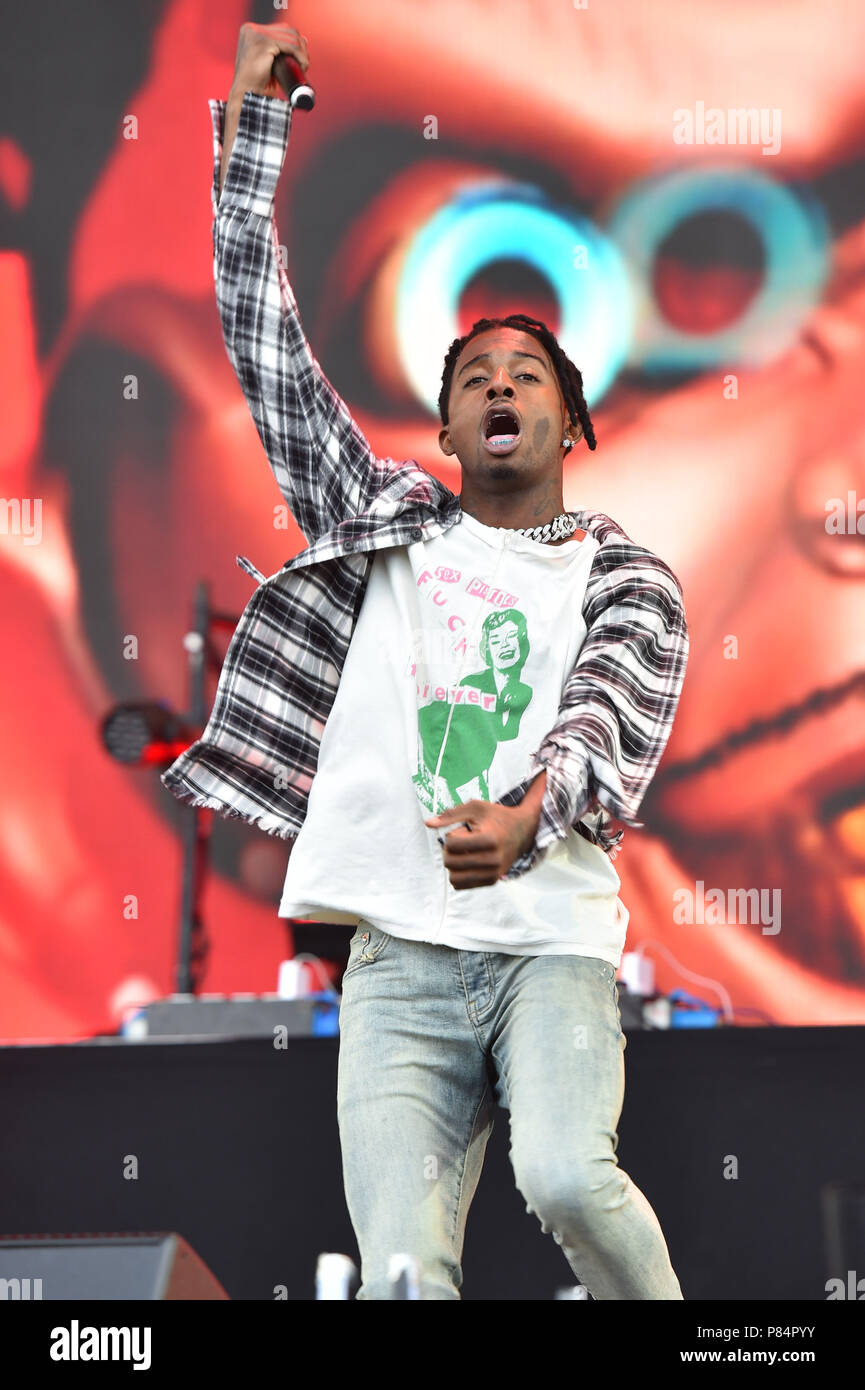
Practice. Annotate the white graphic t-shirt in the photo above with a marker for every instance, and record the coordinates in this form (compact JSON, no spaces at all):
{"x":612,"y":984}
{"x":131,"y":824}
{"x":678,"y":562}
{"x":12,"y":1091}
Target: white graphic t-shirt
{"x":453,"y":678}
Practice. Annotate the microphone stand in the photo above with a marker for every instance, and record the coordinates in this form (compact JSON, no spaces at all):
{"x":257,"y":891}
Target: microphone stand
{"x":194,"y":944}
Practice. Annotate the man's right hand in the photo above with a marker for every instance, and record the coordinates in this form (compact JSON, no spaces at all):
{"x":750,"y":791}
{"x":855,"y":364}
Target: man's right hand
{"x":257,"y":47}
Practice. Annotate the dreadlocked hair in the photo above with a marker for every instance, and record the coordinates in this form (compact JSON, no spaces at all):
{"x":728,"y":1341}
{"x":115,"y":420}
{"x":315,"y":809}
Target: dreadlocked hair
{"x":570,"y":378}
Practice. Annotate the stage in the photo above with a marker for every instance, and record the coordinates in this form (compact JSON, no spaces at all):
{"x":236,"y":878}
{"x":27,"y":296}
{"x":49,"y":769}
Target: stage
{"x":236,"y":1148}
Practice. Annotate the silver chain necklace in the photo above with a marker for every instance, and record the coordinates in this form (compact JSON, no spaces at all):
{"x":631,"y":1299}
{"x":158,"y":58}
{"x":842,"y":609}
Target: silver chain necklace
{"x":563,"y":525}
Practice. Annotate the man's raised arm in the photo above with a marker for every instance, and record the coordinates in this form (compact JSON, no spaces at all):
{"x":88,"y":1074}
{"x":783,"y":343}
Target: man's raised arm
{"x":322,"y":462}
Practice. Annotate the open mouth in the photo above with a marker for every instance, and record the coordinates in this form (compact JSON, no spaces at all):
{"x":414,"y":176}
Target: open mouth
{"x":832,"y":782}
{"x":805,"y":827}
{"x":757,"y":731}
{"x":501,"y":429}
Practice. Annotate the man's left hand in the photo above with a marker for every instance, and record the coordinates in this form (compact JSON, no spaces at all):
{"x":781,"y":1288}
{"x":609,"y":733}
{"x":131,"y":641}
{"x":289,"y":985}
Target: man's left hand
{"x":482,"y":854}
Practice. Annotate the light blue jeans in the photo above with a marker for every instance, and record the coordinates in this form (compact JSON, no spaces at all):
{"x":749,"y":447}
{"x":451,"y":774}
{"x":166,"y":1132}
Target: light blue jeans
{"x":430,"y":1037}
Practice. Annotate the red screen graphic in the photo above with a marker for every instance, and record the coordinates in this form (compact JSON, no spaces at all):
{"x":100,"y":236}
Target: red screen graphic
{"x":726,"y":401}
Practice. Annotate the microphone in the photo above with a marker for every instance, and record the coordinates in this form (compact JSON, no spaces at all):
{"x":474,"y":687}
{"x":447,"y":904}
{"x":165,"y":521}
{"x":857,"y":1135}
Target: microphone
{"x":290,"y":77}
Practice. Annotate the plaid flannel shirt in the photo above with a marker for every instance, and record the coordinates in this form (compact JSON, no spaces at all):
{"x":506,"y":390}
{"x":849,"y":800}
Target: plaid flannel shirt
{"x":258,"y":753}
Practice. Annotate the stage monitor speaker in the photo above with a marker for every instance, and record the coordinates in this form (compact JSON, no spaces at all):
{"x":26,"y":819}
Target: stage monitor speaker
{"x":108,"y":1266}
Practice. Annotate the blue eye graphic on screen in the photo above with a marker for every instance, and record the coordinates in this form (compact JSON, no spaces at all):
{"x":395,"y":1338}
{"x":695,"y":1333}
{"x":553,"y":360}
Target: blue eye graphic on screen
{"x":498,"y":221}
{"x":791,"y":242}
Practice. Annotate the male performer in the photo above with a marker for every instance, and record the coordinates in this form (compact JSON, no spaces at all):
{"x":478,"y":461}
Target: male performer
{"x":424,"y":643}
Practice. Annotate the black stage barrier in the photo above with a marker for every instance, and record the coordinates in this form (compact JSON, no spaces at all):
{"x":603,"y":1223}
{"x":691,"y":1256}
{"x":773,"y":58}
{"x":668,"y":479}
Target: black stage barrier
{"x":234,"y":1145}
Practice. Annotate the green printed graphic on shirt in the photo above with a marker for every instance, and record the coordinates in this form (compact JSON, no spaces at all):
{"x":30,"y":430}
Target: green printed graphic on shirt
{"x":462,"y":725}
